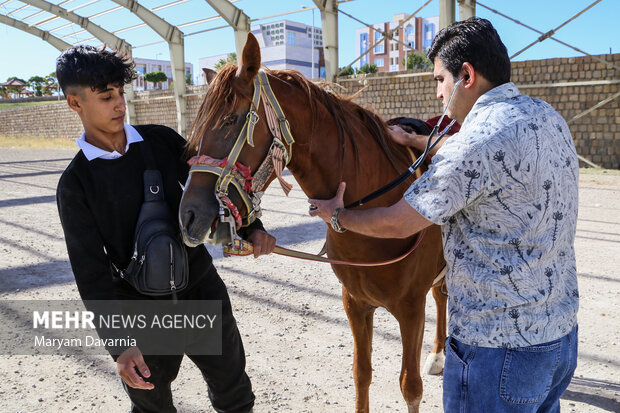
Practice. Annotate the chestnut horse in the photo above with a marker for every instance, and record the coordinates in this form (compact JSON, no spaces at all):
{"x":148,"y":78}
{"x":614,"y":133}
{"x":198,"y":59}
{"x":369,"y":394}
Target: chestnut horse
{"x":336,"y":140}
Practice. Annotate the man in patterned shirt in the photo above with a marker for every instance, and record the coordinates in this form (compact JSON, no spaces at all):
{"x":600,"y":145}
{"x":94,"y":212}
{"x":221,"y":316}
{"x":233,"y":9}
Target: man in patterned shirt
{"x":504,"y":190}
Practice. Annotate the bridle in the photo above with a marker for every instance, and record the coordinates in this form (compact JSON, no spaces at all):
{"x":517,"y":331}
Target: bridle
{"x":250,"y":188}
{"x":230,"y":171}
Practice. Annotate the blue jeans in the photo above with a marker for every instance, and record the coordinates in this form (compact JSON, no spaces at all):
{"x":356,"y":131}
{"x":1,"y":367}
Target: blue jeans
{"x":498,"y":380}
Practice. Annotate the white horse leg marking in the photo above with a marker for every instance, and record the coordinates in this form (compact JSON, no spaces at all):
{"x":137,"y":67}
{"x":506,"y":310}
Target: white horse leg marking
{"x":434,"y":363}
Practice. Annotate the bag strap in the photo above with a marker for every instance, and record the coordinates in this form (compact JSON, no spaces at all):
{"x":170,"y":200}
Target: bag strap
{"x":147,"y":155}
{"x":153,"y":182}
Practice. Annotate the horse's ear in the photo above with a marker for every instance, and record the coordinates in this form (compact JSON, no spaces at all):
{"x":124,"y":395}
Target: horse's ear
{"x":250,"y":60}
{"x":209,"y":74}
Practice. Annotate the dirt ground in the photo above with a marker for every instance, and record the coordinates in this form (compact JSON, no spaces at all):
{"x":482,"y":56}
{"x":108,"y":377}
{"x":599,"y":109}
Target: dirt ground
{"x":298,"y":343}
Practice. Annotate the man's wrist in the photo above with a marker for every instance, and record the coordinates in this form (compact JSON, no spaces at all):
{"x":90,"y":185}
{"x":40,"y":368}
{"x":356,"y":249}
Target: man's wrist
{"x":335,"y":221}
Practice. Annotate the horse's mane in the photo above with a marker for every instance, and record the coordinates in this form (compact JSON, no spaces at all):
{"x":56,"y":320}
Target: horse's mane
{"x":221,"y":96}
{"x":345,"y":112}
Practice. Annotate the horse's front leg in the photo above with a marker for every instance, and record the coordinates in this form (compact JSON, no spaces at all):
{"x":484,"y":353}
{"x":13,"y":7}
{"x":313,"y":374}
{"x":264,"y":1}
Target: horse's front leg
{"x":360,"y":317}
{"x":435,"y":360}
{"x":410,"y":316}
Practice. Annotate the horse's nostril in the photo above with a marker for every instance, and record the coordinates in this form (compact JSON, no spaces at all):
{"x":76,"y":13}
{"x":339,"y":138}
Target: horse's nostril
{"x":188,"y":219}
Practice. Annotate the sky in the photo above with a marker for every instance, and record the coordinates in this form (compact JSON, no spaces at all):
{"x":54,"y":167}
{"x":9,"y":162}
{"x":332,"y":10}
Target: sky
{"x":597,"y":31}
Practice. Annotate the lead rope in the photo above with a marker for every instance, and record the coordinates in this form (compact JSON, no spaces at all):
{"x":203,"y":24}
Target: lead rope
{"x":242,"y":248}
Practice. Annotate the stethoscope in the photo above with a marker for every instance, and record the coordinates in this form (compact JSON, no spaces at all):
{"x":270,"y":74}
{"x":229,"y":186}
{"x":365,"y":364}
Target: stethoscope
{"x":430,"y":144}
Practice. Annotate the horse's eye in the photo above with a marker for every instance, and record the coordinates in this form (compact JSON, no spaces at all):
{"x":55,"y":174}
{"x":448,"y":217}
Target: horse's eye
{"x":229,"y":120}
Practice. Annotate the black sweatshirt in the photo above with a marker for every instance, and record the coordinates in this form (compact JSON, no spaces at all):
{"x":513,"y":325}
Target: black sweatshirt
{"x":99,"y":202}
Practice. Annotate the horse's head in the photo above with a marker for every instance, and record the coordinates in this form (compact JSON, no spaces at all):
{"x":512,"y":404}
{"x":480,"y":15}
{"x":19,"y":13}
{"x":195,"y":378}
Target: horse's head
{"x":226,"y":129}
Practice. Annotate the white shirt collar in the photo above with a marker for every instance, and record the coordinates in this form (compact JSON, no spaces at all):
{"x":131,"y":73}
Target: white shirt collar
{"x":92,"y":152}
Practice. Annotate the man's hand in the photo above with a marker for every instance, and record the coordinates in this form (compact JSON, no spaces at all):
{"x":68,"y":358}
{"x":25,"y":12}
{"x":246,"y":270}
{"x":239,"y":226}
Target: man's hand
{"x":400,"y":136}
{"x":126,"y":365}
{"x":262,"y":241}
{"x":419,"y":142}
{"x":324,"y":208}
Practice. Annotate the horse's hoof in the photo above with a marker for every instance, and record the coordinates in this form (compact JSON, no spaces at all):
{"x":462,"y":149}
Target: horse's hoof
{"x":434,"y":363}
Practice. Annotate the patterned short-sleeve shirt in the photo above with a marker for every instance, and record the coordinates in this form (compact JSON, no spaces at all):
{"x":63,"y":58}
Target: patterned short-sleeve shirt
{"x":504,"y":190}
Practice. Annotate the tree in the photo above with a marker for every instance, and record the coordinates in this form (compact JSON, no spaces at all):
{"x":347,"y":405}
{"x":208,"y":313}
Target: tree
{"x":188,"y":79}
{"x":416,"y":60}
{"x":232,"y":58}
{"x":347,"y":72}
{"x":16,"y":78}
{"x":51,"y":84}
{"x":156,"y":77}
{"x":36,"y":83}
{"x":368,"y":68}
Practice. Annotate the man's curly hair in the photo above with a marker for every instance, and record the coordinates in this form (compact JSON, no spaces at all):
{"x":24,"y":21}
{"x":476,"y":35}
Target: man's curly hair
{"x":88,"y":66}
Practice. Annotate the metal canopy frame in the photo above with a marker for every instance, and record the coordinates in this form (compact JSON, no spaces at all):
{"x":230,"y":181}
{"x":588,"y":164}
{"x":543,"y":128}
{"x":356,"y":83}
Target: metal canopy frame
{"x":44,"y":35}
{"x":171,"y":34}
{"x":175,"y":40}
{"x":100,"y":33}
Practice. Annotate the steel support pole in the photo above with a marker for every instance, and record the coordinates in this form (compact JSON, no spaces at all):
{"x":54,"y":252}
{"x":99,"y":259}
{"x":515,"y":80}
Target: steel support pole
{"x":329,"y":23}
{"x":467,"y":9}
{"x":446,"y":13}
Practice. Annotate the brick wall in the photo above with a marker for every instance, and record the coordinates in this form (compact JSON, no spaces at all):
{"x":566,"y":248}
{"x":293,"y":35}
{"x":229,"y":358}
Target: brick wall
{"x":596,"y":135}
{"x":53,"y":120}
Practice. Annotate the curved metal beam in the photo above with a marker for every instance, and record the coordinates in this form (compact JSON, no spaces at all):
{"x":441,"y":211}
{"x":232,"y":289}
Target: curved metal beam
{"x":100,"y":33}
{"x":174,"y":37}
{"x":236,"y":18}
{"x":51,"y":39}
{"x":105,"y":36}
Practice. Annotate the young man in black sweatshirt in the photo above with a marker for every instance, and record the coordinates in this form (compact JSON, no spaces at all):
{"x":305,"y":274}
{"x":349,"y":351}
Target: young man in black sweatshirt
{"x":99,"y":197}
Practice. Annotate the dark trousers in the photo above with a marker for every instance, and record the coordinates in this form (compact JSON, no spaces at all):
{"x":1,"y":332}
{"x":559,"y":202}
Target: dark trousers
{"x":229,"y":387}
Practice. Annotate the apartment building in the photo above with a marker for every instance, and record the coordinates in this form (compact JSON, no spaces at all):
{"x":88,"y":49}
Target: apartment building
{"x":389,"y":55}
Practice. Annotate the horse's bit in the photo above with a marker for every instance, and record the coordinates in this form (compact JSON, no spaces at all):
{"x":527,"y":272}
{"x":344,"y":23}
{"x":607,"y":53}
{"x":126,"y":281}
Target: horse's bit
{"x":229,"y":171}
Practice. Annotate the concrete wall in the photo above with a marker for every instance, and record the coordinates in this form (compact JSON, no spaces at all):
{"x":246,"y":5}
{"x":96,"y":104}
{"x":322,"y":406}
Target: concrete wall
{"x":596,"y":135}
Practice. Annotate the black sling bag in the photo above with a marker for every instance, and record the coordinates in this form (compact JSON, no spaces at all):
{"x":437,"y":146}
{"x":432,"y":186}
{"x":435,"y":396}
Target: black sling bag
{"x":159,"y":264}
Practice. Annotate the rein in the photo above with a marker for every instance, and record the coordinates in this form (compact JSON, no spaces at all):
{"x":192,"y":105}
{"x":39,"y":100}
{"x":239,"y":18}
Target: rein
{"x":244,"y":248}
{"x":430,"y":144}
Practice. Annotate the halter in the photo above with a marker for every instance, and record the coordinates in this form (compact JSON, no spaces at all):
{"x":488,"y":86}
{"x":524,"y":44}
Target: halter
{"x":229,"y":171}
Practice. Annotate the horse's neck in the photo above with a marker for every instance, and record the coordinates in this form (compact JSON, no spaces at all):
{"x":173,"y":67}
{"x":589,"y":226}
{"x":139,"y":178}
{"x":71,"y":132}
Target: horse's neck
{"x":320,"y":162}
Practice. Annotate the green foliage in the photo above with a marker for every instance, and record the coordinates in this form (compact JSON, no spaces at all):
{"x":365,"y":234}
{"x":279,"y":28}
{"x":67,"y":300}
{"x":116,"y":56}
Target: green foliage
{"x":188,"y":79}
{"x":348,"y":71}
{"x":416,"y":60}
{"x":52,"y":84}
{"x":15,"y":77}
{"x":232,"y":58}
{"x":156,"y":77}
{"x":36,"y":84}
{"x":368,"y":68}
